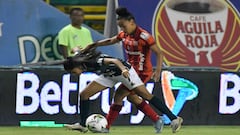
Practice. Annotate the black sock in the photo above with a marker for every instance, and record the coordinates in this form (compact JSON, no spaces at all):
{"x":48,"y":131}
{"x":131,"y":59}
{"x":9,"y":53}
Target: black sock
{"x":156,"y":102}
{"x":84,"y":111}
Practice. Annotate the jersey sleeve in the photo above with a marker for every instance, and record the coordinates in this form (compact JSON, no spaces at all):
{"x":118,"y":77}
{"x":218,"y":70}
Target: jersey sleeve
{"x":63,"y":37}
{"x":100,"y":61}
{"x":148,"y":38}
{"x":120,"y":36}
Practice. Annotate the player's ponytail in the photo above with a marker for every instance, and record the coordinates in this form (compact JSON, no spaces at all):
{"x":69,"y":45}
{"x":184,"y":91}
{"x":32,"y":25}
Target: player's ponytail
{"x":79,"y":60}
{"x":123,"y":13}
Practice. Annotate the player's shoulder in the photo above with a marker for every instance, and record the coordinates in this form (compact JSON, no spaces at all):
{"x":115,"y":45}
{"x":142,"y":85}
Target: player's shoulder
{"x":144,"y":34}
{"x":121,"y":34}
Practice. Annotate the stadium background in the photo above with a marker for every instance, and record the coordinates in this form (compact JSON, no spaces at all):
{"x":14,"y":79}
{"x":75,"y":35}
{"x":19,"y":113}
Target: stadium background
{"x":29,"y":34}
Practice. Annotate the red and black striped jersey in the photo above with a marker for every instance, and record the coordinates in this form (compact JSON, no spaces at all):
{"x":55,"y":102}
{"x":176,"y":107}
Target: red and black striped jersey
{"x":137,"y":48}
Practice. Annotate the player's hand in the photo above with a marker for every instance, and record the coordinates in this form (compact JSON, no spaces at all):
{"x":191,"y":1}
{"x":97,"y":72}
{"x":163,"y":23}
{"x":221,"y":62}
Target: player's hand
{"x":89,"y":47}
{"x":156,"y":76}
{"x":76,"y":49}
{"x":125,"y":73}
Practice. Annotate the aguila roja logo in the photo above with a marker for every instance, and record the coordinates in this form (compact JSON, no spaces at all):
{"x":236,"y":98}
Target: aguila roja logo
{"x":198,"y":33}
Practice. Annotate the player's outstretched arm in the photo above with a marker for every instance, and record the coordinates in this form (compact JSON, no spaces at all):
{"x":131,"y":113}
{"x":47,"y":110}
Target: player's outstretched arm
{"x":104,"y":42}
{"x":119,"y":64}
{"x":107,"y":41}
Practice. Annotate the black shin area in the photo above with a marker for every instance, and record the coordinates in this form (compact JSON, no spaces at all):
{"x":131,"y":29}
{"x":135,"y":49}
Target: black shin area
{"x":156,"y":102}
{"x":84,"y":111}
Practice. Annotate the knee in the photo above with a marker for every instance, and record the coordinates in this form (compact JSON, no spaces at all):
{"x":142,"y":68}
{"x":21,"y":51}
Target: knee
{"x":118,"y":98}
{"x":84,"y":96}
{"x":147,"y":96}
{"x":134,"y":99}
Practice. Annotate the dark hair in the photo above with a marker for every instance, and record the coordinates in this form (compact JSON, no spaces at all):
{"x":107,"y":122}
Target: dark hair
{"x":73,"y":62}
{"x":79,"y":60}
{"x":75,"y":9}
{"x":123,"y":13}
{"x":68,"y":64}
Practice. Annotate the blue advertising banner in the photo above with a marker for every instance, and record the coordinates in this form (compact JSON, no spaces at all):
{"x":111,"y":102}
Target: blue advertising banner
{"x":28,"y":32}
{"x":192,"y":33}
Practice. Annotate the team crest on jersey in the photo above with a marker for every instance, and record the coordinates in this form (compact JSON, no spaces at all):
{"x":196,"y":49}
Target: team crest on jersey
{"x":144,"y":35}
{"x":198,"y":33}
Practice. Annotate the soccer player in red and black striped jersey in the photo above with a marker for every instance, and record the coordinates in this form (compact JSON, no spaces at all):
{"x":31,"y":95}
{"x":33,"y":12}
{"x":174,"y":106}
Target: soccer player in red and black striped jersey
{"x":138,"y":45}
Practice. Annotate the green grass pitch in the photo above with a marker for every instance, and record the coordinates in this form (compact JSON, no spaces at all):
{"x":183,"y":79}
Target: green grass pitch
{"x":125,"y":130}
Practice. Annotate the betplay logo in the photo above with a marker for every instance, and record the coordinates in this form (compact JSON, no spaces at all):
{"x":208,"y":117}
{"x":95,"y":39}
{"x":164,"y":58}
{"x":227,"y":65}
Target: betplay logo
{"x":53,"y":98}
{"x":229,"y":97}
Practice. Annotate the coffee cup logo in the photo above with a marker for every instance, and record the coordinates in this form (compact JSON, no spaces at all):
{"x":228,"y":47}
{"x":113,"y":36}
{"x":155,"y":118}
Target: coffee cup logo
{"x":193,"y":33}
{"x":199,"y":25}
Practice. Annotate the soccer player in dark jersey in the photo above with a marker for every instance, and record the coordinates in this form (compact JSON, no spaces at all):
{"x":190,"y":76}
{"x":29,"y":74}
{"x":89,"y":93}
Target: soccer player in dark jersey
{"x":138,"y":44}
{"x":111,"y":71}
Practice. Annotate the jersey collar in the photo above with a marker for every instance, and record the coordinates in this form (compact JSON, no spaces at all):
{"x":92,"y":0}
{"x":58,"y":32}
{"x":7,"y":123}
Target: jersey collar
{"x":136,"y":33}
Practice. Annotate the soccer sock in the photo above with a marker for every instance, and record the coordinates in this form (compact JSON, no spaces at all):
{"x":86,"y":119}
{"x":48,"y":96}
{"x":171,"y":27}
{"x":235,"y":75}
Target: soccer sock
{"x":113,"y":114}
{"x":148,"y":110}
{"x":162,"y":107}
{"x":84,"y":111}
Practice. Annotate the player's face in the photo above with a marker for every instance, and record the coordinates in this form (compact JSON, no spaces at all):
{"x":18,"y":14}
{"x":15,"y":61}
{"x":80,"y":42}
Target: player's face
{"x":77,"y":70}
{"x":127,"y":26}
{"x":77,"y":17}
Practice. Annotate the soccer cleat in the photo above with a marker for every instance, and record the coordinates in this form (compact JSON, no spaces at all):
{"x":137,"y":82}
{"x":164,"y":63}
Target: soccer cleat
{"x":105,"y":130}
{"x":77,"y":127}
{"x":176,"y":124}
{"x":158,"y":125}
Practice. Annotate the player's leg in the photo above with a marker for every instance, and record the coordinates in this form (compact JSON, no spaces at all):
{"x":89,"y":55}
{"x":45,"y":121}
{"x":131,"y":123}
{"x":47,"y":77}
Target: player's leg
{"x":116,"y":107}
{"x":97,"y":85}
{"x":143,"y":106}
{"x":156,"y":102}
{"x":90,"y":90}
{"x":139,"y":88}
{"x":93,"y":88}
{"x":121,"y":93}
{"x":147,"y":110}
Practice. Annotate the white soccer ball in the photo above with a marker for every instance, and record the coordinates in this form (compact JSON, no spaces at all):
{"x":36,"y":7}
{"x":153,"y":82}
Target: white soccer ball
{"x":96,"y":123}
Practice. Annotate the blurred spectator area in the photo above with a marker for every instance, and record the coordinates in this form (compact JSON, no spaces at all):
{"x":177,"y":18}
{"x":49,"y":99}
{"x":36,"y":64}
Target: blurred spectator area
{"x":95,"y":10}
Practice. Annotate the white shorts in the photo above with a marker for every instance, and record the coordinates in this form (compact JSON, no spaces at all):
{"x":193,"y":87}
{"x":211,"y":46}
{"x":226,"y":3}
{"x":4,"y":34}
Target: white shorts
{"x":108,"y":81}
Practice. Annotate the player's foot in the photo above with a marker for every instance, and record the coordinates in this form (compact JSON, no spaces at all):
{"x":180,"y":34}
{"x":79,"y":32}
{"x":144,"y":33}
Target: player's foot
{"x":176,"y":124}
{"x":77,"y":127}
{"x":158,"y":125}
{"x":105,"y":130}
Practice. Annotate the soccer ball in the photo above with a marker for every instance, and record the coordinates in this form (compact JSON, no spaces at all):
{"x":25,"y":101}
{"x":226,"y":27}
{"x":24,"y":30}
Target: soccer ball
{"x":96,"y":123}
